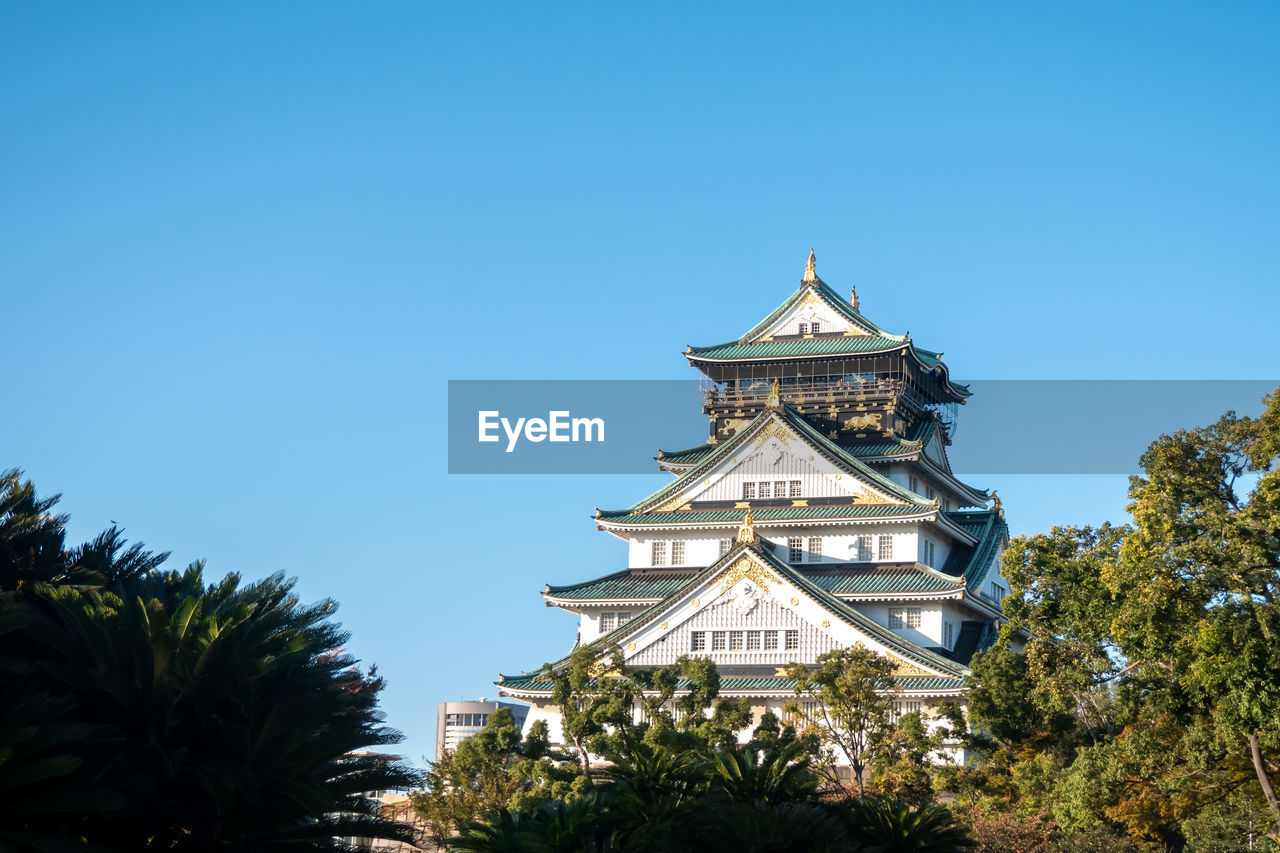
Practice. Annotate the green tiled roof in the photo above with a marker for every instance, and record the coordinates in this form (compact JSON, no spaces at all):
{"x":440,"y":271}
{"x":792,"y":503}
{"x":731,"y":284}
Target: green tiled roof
{"x":625,"y":584}
{"x":852,"y":344}
{"x":876,"y":339}
{"x":837,"y":608}
{"x":687,"y":456}
{"x":785,"y":513}
{"x":819,"y":442}
{"x":772,"y":683}
{"x":841,"y":580}
{"x":990,"y":529}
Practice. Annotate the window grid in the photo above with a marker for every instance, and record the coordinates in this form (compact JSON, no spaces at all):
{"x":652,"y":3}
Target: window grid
{"x":765,"y":489}
{"x":795,"y":488}
{"x":886,"y":547}
{"x":795,"y":548}
{"x":725,"y":545}
{"x":804,"y":328}
{"x":717,"y":641}
{"x":904,"y":617}
{"x":815,"y":549}
{"x":608,"y":621}
{"x":815,"y":326}
{"x":792,"y":641}
{"x":659,"y":554}
{"x":753,"y":641}
{"x":735,"y":641}
{"x":770,"y":640}
{"x":748,"y":491}
{"x":864,"y":549}
{"x":677,"y":553}
{"x":698,"y":641}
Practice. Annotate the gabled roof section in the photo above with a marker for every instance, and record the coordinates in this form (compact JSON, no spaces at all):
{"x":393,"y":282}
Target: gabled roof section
{"x":761,"y":556}
{"x":818,"y":291}
{"x":785,"y":418}
{"x":646,"y":585}
{"x":974,"y":563}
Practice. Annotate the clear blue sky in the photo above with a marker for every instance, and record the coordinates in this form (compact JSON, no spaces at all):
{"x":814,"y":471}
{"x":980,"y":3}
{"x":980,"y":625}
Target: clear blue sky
{"x":243,"y":247}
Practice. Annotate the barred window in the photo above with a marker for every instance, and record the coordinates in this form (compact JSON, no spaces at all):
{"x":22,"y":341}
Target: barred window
{"x":904,"y":617}
{"x":698,"y":641}
{"x":748,"y":491}
{"x":725,"y":545}
{"x":659,"y":554}
{"x":928,"y":553}
{"x":717,"y":641}
{"x":608,"y":621}
{"x":903,"y":707}
{"x":886,"y":547}
{"x":804,"y":328}
{"x":764,"y":489}
{"x":948,"y":635}
{"x":677,"y":553}
{"x":864,"y":549}
{"x":795,"y":548}
{"x":753,"y":641}
{"x":770,"y":640}
{"x":795,"y":488}
{"x":624,"y":618}
{"x":815,"y":549}
{"x":792,"y":641}
{"x":815,"y":327}
{"x":735,"y":641}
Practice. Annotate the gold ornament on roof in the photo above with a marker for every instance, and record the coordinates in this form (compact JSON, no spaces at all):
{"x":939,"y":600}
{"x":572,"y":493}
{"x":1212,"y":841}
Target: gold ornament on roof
{"x":853,"y":297}
{"x":774,"y":400}
{"x":996,"y":503}
{"x":747,"y":532}
{"x":810,"y":272}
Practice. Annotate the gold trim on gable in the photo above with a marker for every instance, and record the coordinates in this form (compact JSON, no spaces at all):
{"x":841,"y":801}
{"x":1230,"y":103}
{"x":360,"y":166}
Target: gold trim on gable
{"x":746,"y":568}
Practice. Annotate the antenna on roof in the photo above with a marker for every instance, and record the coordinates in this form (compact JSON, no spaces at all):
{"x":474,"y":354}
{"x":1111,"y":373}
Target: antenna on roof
{"x":810,"y":273}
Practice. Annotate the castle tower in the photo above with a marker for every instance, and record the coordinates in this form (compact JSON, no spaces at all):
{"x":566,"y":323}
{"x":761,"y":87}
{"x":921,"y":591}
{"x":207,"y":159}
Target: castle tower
{"x":821,"y":512}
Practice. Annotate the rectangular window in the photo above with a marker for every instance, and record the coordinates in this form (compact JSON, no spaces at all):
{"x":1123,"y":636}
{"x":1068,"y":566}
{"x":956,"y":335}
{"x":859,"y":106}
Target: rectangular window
{"x":735,"y":641}
{"x":748,"y":491}
{"x":914,"y":484}
{"x":770,"y":640}
{"x":926,"y":552}
{"x":795,"y":488}
{"x":864,"y":549}
{"x":998,"y":592}
{"x":624,"y":618}
{"x":717,"y":641}
{"x":904,"y":617}
{"x":902,"y":708}
{"x":792,"y":641}
{"x":815,"y":549}
{"x":753,"y":641}
{"x":804,"y":328}
{"x":815,"y":326}
{"x":886,"y":547}
{"x":948,"y":635}
{"x":725,"y":545}
{"x":659,"y":554}
{"x":608,"y":621}
{"x":795,"y":548}
{"x":765,"y":491}
{"x":698,"y":641}
{"x":929,"y":492}
{"x":677,"y":553}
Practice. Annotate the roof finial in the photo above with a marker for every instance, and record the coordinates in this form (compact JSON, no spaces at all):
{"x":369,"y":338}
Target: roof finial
{"x":853,"y":297}
{"x":996,"y":503}
{"x":774,"y":400}
{"x":747,"y":532}
{"x":810,"y":273}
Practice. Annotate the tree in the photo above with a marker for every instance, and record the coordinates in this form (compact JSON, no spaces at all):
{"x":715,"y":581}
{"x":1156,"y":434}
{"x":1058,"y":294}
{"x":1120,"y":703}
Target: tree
{"x":149,"y":710}
{"x":850,"y":693}
{"x":490,"y":771}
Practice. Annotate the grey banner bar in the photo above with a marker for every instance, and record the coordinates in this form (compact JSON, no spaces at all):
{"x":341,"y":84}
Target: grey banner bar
{"x":1007,"y":427}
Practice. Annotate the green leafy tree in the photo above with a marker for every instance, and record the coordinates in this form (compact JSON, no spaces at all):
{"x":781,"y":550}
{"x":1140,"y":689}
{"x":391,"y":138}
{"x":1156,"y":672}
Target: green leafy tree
{"x":849,"y":705}
{"x":492,"y":770}
{"x":149,"y":710}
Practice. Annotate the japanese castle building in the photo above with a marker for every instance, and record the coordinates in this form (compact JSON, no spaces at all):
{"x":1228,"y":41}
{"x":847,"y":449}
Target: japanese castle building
{"x":821,"y":512}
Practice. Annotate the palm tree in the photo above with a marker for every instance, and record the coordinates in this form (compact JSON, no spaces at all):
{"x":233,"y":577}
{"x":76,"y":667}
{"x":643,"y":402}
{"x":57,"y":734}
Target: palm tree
{"x":148,"y":710}
{"x":889,"y":825}
{"x":777,"y":776}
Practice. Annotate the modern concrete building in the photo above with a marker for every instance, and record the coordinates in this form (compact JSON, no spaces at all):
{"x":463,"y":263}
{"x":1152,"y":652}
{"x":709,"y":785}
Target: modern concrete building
{"x":457,"y":721}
